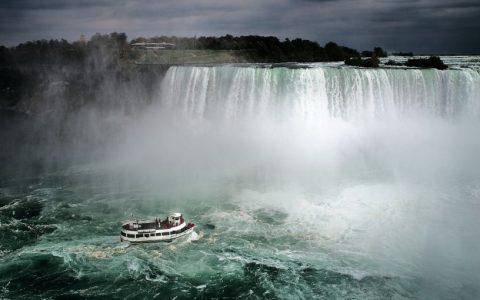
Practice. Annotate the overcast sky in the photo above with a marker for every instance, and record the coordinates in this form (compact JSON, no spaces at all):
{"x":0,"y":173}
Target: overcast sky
{"x":422,"y":26}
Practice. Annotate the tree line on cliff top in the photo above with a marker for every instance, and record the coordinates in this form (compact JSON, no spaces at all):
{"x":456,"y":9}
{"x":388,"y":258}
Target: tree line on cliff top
{"x":263,"y":48}
{"x":109,"y":49}
{"x":115,"y":46}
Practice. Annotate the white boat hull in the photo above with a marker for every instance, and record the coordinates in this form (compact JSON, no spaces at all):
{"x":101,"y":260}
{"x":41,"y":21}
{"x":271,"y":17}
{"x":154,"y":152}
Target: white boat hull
{"x":153,"y":236}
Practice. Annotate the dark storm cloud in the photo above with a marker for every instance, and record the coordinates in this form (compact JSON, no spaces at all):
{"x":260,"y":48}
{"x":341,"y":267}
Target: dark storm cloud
{"x":52,"y":4}
{"x":421,"y":25}
{"x":438,"y":26}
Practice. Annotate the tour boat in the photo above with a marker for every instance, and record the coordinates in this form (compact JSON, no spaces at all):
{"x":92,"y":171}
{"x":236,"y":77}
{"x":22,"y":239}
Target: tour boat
{"x":157,"y":230}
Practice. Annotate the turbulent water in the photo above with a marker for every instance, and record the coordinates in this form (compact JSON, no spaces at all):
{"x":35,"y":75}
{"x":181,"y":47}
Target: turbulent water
{"x":305,"y":182}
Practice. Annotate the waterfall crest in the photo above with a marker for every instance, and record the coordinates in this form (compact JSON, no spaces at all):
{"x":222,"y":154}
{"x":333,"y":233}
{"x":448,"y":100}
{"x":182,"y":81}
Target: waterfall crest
{"x":230,"y":92}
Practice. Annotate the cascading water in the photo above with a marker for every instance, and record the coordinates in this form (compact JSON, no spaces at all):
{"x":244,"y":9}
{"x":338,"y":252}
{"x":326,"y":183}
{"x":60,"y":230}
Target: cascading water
{"x":322,"y":92}
{"x":313,"y":182}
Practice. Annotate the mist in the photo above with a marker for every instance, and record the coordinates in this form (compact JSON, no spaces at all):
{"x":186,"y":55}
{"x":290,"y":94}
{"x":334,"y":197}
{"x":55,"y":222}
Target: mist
{"x":392,"y":185}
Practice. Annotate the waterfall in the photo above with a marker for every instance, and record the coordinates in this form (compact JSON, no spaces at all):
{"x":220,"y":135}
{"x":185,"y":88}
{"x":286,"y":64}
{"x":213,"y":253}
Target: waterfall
{"x":230,"y":92}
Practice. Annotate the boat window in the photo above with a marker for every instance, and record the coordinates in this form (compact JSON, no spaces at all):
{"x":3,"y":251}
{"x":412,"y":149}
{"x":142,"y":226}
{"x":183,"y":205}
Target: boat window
{"x":164,"y":233}
{"x":130,"y":235}
{"x":140,"y":235}
{"x":123,"y":233}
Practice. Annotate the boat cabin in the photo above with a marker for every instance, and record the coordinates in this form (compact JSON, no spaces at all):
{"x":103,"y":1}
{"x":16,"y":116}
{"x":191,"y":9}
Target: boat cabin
{"x":175,"y":219}
{"x":140,"y":231}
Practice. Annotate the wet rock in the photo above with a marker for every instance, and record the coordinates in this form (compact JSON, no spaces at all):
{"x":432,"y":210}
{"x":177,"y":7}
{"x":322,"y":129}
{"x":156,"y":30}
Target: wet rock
{"x":431,"y":62}
{"x":372,"y":62}
{"x":393,"y":63}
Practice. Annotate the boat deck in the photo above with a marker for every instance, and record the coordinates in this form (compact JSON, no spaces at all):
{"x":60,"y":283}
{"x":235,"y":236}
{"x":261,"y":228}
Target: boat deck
{"x":150,"y":224}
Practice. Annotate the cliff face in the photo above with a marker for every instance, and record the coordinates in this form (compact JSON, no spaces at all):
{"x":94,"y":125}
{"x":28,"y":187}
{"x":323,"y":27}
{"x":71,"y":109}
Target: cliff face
{"x":46,"y":89}
{"x":51,"y":114}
